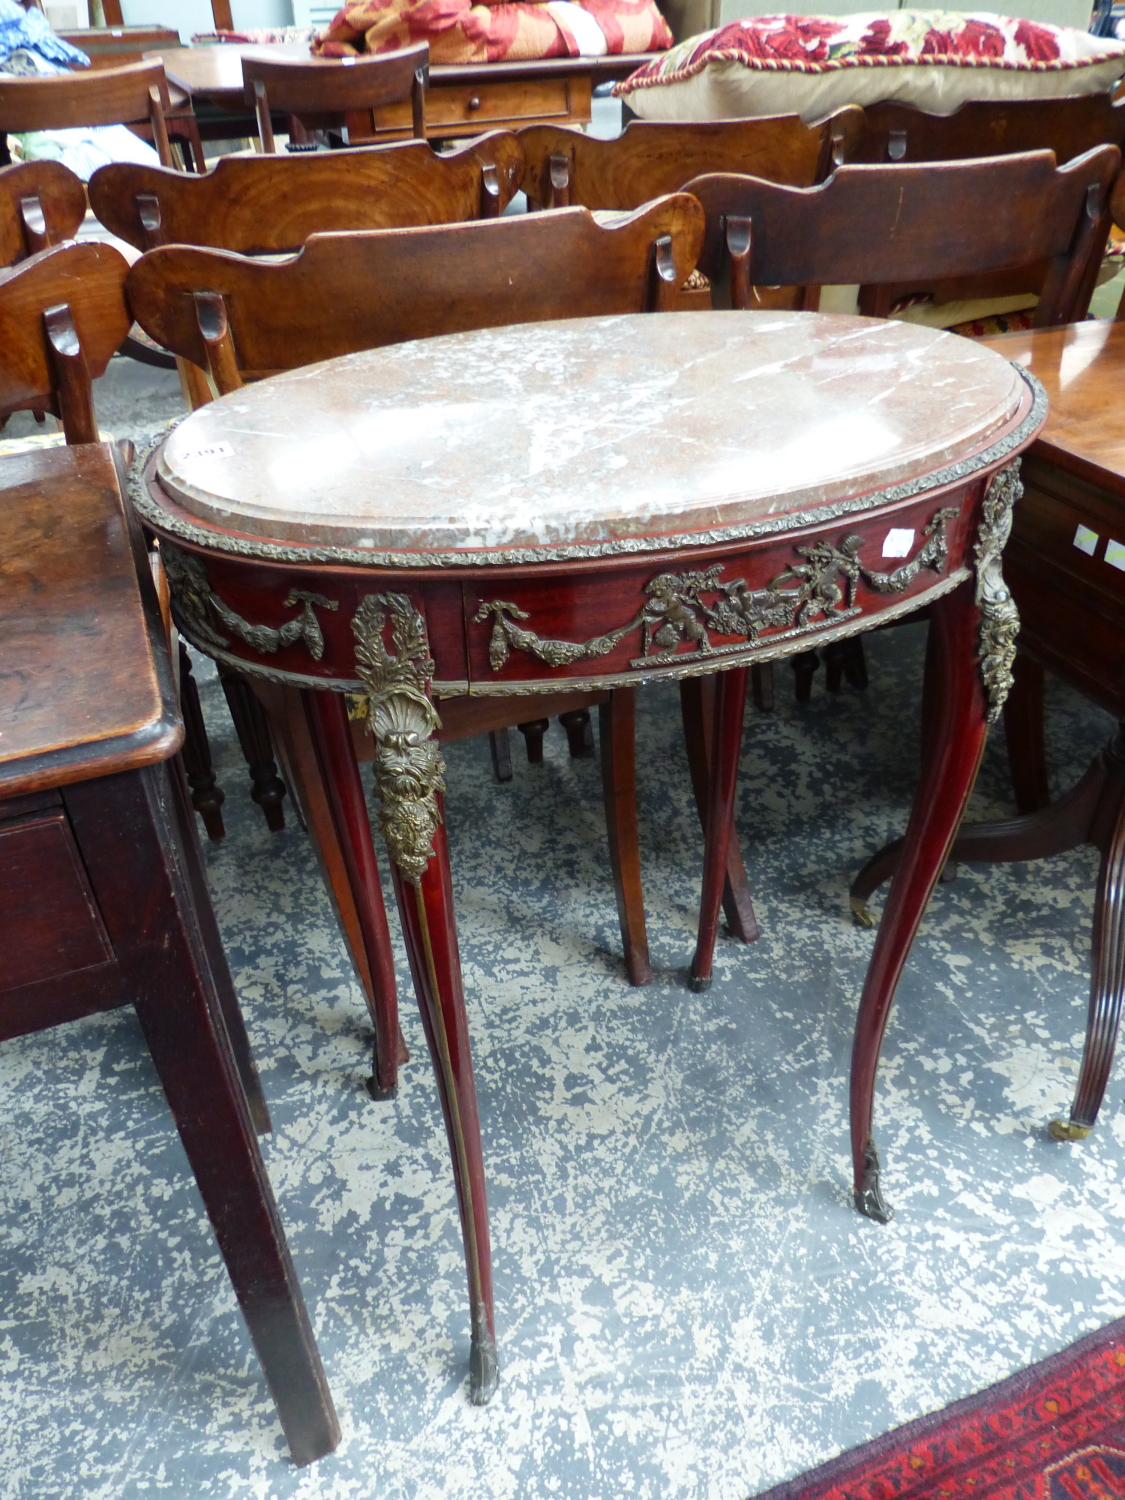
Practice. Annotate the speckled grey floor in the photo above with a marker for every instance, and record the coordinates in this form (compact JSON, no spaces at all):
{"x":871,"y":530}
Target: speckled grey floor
{"x":688,"y":1306}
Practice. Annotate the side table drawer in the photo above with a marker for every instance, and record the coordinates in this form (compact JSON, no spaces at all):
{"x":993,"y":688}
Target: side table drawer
{"x":482,"y":106}
{"x":49,"y":922}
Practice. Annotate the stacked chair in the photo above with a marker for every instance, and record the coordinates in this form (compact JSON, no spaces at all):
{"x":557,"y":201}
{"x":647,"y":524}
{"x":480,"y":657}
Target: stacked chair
{"x":269,"y":205}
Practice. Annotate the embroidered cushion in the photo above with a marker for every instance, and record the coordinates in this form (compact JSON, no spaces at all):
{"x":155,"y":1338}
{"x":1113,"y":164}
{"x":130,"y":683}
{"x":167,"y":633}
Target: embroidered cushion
{"x":812,"y":65}
{"x":460,"y":31}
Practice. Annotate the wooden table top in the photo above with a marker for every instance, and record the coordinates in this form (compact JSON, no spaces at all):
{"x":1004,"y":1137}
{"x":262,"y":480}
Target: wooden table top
{"x":589,"y":435}
{"x":215,"y":72}
{"x":1082,"y":367}
{"x":82,"y":691}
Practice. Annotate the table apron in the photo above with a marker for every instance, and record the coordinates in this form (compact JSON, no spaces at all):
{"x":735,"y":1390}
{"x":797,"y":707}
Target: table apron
{"x":517,"y":631}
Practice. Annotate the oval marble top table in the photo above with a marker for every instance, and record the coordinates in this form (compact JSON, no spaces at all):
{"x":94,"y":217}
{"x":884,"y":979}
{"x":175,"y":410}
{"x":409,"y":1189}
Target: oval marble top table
{"x":579,"y":507}
{"x":587,"y":434}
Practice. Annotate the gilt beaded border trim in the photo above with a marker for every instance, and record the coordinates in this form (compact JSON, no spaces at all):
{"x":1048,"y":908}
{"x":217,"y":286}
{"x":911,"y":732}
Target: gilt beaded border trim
{"x":215,"y":541}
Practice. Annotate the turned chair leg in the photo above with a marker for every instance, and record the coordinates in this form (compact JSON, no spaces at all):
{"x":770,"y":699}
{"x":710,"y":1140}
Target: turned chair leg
{"x":761,"y":686}
{"x":533,"y":732}
{"x":207,"y":797}
{"x":253,"y":729}
{"x":579,"y":732}
{"x":616,"y":726}
{"x":500,"y":746}
{"x":1023,"y":728}
{"x":844,"y":661}
{"x":1107,"y":987}
{"x":805,"y":666}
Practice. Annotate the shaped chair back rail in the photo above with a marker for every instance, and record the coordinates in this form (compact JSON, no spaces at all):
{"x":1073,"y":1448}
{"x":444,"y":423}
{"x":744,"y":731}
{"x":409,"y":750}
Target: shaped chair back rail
{"x":320,"y":92}
{"x":103,"y":96}
{"x":650,"y":157}
{"x":271,"y":204}
{"x":41,"y":203}
{"x":239,"y":318}
{"x":1069,"y":127}
{"x":916,"y":225}
{"x":62,"y":316}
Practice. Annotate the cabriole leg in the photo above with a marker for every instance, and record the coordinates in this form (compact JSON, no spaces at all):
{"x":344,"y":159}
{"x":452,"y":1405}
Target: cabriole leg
{"x":697,"y":714}
{"x":958,"y":726}
{"x":428,"y":924}
{"x":328,"y":722}
{"x":726,"y":744}
{"x":409,"y":778}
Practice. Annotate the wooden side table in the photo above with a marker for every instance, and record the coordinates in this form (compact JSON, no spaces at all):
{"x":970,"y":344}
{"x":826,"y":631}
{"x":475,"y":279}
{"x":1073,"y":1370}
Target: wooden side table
{"x":462,"y":98}
{"x":103,"y":898}
{"x":1066,"y":568}
{"x":592,"y":504}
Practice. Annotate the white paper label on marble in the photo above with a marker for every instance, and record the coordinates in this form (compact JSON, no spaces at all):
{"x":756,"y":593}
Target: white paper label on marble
{"x":898,"y":542}
{"x":1086,"y":540}
{"x":1115,"y":554}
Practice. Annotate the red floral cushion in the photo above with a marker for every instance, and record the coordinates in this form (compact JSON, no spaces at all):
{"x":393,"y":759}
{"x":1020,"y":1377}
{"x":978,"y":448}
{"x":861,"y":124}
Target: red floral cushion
{"x":814,"y":64}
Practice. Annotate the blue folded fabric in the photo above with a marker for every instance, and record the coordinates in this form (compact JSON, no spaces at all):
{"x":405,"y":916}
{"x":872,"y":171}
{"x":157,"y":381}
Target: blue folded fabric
{"x":29,"y":29}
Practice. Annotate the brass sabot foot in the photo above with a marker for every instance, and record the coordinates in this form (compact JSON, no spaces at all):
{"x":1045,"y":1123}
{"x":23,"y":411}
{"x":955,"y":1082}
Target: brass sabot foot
{"x":862,"y":915}
{"x":1066,"y":1130}
{"x":869,"y":1196}
{"x":484,"y":1365}
{"x":380,"y":1095}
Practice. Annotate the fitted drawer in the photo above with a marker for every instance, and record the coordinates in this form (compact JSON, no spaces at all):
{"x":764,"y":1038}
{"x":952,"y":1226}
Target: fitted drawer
{"x":482,"y":106}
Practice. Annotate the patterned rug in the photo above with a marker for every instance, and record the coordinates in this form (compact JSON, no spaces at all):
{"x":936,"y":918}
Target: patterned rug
{"x":1053,"y":1432}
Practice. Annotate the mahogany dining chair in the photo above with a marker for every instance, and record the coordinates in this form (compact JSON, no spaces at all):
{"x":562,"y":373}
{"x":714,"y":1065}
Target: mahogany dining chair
{"x":320,"y":93}
{"x":135,"y":93}
{"x":62,"y":318}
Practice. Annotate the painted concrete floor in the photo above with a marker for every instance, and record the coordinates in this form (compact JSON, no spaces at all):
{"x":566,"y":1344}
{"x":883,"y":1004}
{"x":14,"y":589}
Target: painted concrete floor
{"x":688,"y":1305}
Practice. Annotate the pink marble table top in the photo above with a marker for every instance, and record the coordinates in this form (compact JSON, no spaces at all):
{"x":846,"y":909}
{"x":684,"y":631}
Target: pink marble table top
{"x":587,"y":432}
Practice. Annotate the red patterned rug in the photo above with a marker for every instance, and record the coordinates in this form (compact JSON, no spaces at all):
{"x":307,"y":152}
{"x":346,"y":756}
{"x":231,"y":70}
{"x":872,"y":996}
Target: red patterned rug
{"x":1053,"y":1432}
